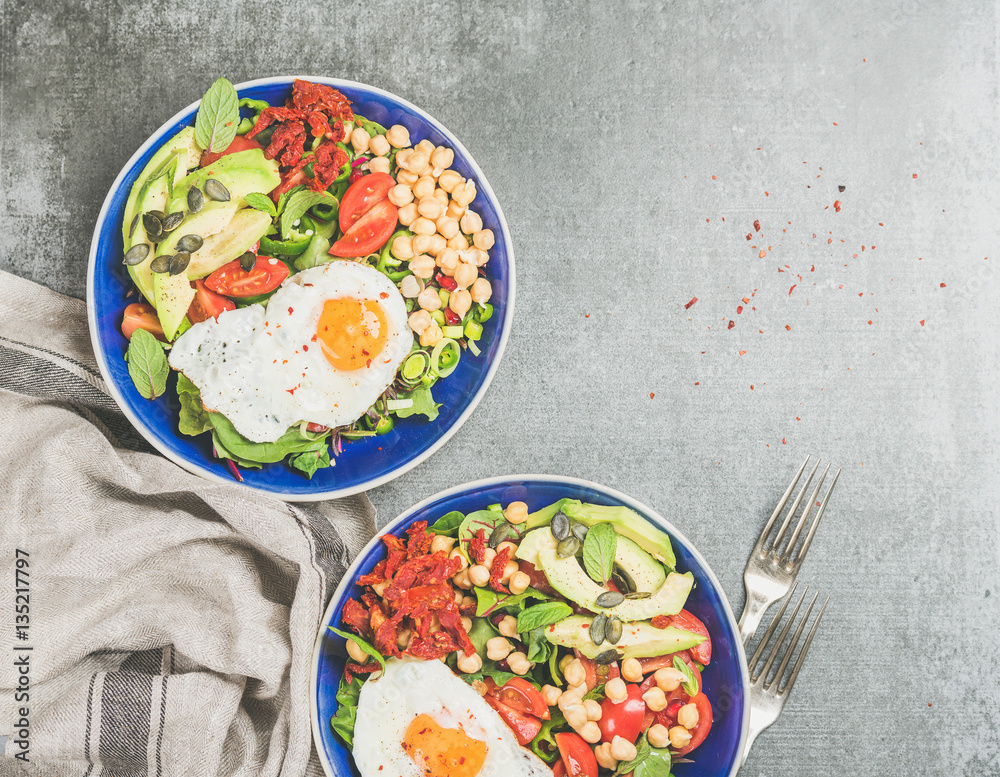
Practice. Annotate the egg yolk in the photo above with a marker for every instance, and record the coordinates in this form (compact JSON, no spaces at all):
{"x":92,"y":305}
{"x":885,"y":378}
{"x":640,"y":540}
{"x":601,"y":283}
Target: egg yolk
{"x":443,"y":752}
{"x":352,"y":332}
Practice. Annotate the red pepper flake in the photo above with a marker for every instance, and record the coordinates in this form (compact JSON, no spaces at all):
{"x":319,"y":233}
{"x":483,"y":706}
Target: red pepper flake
{"x":783,"y":441}
{"x":788,"y":328}
{"x":748,"y":235}
{"x":742,"y":352}
{"x":651,"y":395}
{"x":812,"y":269}
{"x":841,"y":188}
{"x":713,"y":177}
{"x":586,"y":315}
{"x":792,"y":289}
{"x":922,"y":321}
{"x":914,"y":175}
{"x":869,"y":322}
{"x":797,"y":418}
{"x":731,"y":324}
{"x":751,"y":386}
{"x":763,"y":253}
{"x":739,"y":309}
{"x":766,"y":194}
{"x":836,"y":206}
{"x":697,"y":383}
{"x":756,"y":225}
{"x":384,"y":295}
{"x":746,"y":300}
{"x":660,"y":621}
{"x":497,"y":568}
{"x":689,"y":304}
{"x":943,"y":285}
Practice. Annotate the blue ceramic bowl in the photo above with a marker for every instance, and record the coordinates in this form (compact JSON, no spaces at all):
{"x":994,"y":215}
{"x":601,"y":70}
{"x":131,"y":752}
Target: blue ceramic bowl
{"x":725,"y":680}
{"x":364,"y":463}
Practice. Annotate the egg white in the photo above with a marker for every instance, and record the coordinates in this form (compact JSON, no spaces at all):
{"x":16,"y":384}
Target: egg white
{"x":263,"y":370}
{"x":411,"y":687}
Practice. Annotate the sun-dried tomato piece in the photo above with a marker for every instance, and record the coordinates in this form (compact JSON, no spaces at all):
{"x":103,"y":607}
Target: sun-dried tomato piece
{"x":392,"y":542}
{"x":477,"y":546}
{"x":385,"y":636}
{"x":452,"y":623}
{"x":661,"y":621}
{"x":356,"y":617}
{"x":393,"y":562}
{"x":288,"y":139}
{"x":353,"y":668}
{"x":496,"y":570}
{"x":468,"y":610}
{"x":307,"y":96}
{"x":419,"y":540}
{"x":377,"y":575}
{"x":270,"y":115}
{"x":427,"y":649}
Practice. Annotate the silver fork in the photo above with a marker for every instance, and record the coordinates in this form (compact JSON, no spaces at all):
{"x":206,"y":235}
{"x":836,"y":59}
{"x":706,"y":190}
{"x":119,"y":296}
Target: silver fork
{"x":767,"y":698}
{"x":772,"y":569}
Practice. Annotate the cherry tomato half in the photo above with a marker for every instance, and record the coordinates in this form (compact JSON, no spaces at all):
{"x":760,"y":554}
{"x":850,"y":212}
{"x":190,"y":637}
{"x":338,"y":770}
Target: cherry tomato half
{"x":525,"y":727}
{"x":369,"y":233}
{"x":233,"y":281}
{"x":240,"y":143}
{"x":701,"y":653}
{"x":289,"y":182}
{"x":700,"y":731}
{"x":361,"y":196}
{"x":596,"y":675}
{"x":207,"y":304}
{"x":518,"y":694}
{"x":577,"y":757}
{"x":624,"y":719}
{"x":658,"y":662}
{"x":139,"y":315}
{"x":558,"y":769}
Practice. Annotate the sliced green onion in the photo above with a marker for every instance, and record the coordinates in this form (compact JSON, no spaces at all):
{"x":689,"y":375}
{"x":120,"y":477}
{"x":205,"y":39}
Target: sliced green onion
{"x":497,"y":508}
{"x":474,"y":348}
{"x":415,"y":365}
{"x":385,"y":425}
{"x":398,"y":404}
{"x":357,"y":434}
{"x":444,"y":295}
{"x":454,"y":332}
{"x":445,"y":356}
{"x":485,"y":311}
{"x":473,"y":330}
{"x":438,"y":316}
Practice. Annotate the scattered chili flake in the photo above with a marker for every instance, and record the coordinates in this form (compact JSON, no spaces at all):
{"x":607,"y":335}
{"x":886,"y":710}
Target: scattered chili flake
{"x":836,"y":206}
{"x":841,"y":188}
{"x":783,"y":441}
{"x":792,"y":289}
{"x":586,"y":315}
{"x":748,"y":235}
{"x":739,"y":309}
{"x":756,"y":225}
{"x":651,"y":395}
{"x":922,"y":321}
{"x":751,"y":386}
{"x":763,"y":253}
{"x":713,"y":177}
{"x":697,"y":383}
{"x":914,"y":175}
{"x":742,"y":353}
{"x":788,"y":328}
{"x":689,"y":304}
{"x":943,"y":285}
{"x":797,"y":418}
{"x":731,"y":324}
{"x":869,"y":322}
{"x":746,"y":300}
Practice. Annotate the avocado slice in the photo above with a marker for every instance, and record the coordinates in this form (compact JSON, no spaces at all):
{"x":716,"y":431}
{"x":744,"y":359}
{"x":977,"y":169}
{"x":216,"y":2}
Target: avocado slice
{"x":246,"y":228}
{"x":241,"y":173}
{"x":627,"y":523}
{"x":638,"y":640}
{"x":214,"y":217}
{"x":173,"y":294}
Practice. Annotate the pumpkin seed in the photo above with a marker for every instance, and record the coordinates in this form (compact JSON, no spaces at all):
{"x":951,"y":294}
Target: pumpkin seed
{"x":638,"y":595}
{"x":190,"y":243}
{"x":137,"y":254}
{"x":161,"y":263}
{"x":500,"y":533}
{"x":153,"y":226}
{"x":560,"y":526}
{"x":598,"y":628}
{"x":180,"y":262}
{"x":216,"y":190}
{"x":195,"y":199}
{"x":608,"y":657}
{"x":613,"y":630}
{"x":623,"y":580}
{"x":171,"y":222}
{"x":609,"y":599}
{"x":580,"y":531}
{"x":568,"y":547}
{"x":134,"y":224}
{"x":158,"y":213}
{"x":247,"y":261}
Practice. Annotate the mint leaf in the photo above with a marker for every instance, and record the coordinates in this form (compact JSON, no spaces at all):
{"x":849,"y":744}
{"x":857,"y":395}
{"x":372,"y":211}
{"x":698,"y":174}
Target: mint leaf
{"x":657,"y":764}
{"x":310,"y":461}
{"x":423,"y":404}
{"x":361,"y":643}
{"x":193,"y":419}
{"x":690,"y":683}
{"x":218,"y":117}
{"x":599,"y":551}
{"x":538,"y":646}
{"x":447,"y":525}
{"x":147,"y":364}
{"x":489,"y":601}
{"x":261,"y":202}
{"x":642,"y":753}
{"x":541,"y":615}
{"x":298,"y":203}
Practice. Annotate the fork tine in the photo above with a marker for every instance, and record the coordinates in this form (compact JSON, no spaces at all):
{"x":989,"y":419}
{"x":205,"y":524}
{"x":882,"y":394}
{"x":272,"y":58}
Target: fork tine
{"x":770,"y":630}
{"x":794,"y":508}
{"x":781,"y":638}
{"x":781,"y":505}
{"x":794,"y":642}
{"x":805,"y":648}
{"x":790,"y":549}
{"x":815,"y":525}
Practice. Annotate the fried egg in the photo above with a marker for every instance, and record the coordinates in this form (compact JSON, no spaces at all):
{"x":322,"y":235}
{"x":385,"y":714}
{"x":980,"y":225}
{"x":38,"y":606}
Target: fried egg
{"x":420,"y":720}
{"x":325,"y":348}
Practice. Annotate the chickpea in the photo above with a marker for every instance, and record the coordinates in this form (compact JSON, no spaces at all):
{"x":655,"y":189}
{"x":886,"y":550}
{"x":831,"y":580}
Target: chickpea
{"x":483,"y":239}
{"x":622,"y":749}
{"x":466,"y":623}
{"x":431,"y":208}
{"x":459,"y":302}
{"x":468,"y":601}
{"x":425,"y":145}
{"x":418,"y":162}
{"x":398,"y":136}
{"x":590,"y":732}
{"x":471,"y":222}
{"x":450,"y":179}
{"x":516,"y":512}
{"x":465,"y":275}
{"x":447,"y":226}
{"x":477,"y":256}
{"x":616,"y":691}
{"x":459,"y":243}
{"x":464,"y":194}
{"x":575,"y":673}
{"x":604,"y":758}
{"x":479,"y":575}
{"x":405,"y":176}
{"x":658,"y":735}
{"x":564,"y":662}
{"x":551,"y":695}
{"x":519,"y":663}
{"x":379,"y":146}
{"x":402,"y":246}
{"x":455,"y":210}
{"x":593,"y":708}
{"x":578,"y":690}
{"x":407,"y":214}
{"x":688,"y":716}
{"x":509,"y":571}
{"x":655,"y":699}
{"x":442,"y":157}
{"x":507,"y":545}
{"x":498,"y":648}
{"x":448,"y":261}
{"x":569,"y":699}
{"x":468,"y":664}
{"x":668,"y":678}
{"x":421,"y":243}
{"x":632,"y":670}
{"x":410,"y":288}
{"x":481,"y":291}
{"x":519,"y":583}
{"x":442,"y":195}
{"x":458,"y":594}
{"x":680,"y":737}
{"x":436,"y":244}
{"x":400,"y":195}
{"x":576,"y":715}
{"x":403,"y":637}
{"x":421,"y":225}
{"x":456,"y":552}
{"x":432,"y":335}
{"x":461,"y":579}
{"x":508,"y":626}
{"x":360,"y":139}
{"x":423,"y":266}
{"x":440,"y":543}
{"x":488,"y":555}
{"x":403,"y":158}
{"x":424,"y":187}
{"x":379,"y":164}
{"x":355,"y":652}
{"x":428,"y":299}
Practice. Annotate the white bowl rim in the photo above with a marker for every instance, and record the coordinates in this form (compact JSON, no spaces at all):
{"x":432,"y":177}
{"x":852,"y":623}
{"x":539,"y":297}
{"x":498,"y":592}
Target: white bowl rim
{"x":626,"y":500}
{"x":337,"y":493}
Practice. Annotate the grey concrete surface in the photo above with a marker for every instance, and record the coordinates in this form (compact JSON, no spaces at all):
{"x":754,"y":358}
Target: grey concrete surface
{"x":633,"y":146}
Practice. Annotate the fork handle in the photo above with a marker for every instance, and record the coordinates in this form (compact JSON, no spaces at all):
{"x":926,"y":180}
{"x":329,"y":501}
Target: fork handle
{"x":752,"y":614}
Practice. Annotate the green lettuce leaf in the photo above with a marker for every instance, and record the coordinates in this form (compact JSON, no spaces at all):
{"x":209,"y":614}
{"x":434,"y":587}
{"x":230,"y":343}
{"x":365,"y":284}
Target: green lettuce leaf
{"x":310,"y":461}
{"x":291,"y":441}
{"x":193,"y":418}
{"x":423,"y":404}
